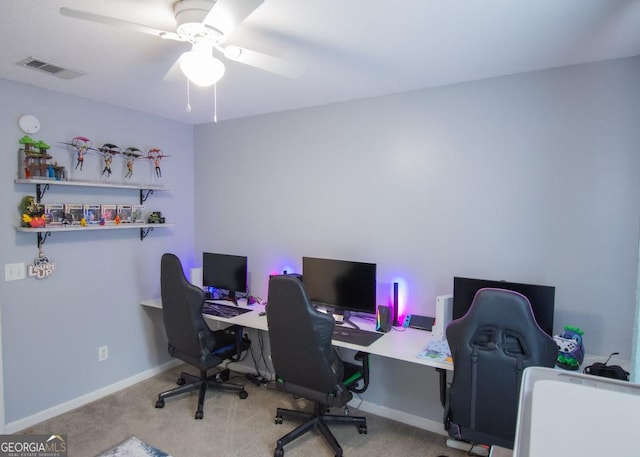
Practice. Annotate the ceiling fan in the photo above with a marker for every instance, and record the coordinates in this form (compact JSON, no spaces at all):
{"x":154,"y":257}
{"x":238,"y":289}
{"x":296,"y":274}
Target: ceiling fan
{"x":206,"y":24}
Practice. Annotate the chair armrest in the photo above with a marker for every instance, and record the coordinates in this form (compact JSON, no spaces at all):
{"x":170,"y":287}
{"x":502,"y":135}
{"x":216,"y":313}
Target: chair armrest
{"x":362,"y":374}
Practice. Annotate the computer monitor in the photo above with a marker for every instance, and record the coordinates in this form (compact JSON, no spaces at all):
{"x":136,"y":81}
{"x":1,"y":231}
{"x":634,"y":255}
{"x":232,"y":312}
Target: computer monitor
{"x":542,"y":298}
{"x":341,"y":286}
{"x":225,"y":272}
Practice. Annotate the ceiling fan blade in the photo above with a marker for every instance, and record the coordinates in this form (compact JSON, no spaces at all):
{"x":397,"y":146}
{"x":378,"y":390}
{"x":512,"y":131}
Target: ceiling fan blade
{"x":100,"y":19}
{"x":263,"y":61}
{"x":225,"y":15}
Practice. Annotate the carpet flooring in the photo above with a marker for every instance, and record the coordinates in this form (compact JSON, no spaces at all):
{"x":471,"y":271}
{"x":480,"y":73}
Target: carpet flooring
{"x":230,"y":427}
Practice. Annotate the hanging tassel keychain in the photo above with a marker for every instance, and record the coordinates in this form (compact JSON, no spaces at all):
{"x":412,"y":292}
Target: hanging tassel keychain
{"x":42,"y":267}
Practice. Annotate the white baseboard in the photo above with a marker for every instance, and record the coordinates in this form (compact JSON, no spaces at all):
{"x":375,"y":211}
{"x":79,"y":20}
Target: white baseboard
{"x":399,"y":416}
{"x":383,"y":411}
{"x":41,"y":416}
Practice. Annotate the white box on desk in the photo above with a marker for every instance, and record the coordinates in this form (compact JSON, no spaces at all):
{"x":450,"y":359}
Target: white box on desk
{"x":444,"y":313}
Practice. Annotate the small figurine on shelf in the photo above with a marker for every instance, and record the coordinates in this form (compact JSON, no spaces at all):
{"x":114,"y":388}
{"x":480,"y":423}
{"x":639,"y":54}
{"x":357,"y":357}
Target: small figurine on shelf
{"x":34,"y":156}
{"x":32,"y":212}
{"x":156,"y":155}
{"x":80,"y":145}
{"x":129,"y":172}
{"x":43,"y":147}
{"x":156,"y":165}
{"x":131,"y":153}
{"x":35,"y":221}
{"x":83,"y":222}
{"x":156,"y":217}
{"x":570,"y":348}
{"x":108,"y":151}
{"x":117,"y":220}
{"x":28,"y":143}
{"x":107,"y":165}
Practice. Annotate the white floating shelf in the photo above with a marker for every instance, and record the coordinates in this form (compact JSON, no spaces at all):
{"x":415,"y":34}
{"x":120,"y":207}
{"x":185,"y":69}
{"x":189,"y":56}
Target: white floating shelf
{"x":54,"y":182}
{"x":89,"y":228}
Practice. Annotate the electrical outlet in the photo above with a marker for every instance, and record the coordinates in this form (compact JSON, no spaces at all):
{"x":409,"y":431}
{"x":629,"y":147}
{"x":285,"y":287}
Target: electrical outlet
{"x":14,"y":271}
{"x":103,"y":353}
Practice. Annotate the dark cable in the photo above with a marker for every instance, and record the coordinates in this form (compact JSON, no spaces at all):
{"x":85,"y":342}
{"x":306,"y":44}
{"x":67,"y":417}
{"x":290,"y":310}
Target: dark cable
{"x":611,"y":355}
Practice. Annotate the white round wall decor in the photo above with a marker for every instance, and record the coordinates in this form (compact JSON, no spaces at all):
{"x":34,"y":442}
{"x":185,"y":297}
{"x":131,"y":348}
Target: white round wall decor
{"x":29,"y":123}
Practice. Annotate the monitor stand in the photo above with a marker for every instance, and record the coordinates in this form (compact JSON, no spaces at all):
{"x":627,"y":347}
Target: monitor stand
{"x":345,"y":320}
{"x":231,"y":296}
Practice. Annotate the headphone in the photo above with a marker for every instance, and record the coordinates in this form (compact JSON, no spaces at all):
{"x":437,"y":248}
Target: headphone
{"x":607,"y":371}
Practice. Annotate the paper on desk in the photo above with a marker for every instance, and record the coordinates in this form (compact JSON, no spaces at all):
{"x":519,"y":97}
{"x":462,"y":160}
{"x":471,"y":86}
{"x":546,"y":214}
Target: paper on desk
{"x":436,"y":350}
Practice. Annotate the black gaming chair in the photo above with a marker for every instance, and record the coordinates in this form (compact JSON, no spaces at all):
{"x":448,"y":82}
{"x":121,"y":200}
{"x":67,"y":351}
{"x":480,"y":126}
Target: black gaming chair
{"x":491,"y":345}
{"x":191,"y":340}
{"x":307,"y":365}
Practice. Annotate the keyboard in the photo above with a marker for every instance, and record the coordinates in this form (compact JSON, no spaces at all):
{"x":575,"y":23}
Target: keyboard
{"x":355,"y":336}
{"x":220,"y":310}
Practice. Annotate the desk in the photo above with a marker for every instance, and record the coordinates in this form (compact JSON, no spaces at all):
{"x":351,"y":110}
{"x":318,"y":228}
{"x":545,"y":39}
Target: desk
{"x":402,"y":344}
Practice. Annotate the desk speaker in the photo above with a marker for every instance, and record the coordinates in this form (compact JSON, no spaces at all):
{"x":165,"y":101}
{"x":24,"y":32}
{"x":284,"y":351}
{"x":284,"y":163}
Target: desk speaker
{"x":383,"y":321}
{"x":195,"y":276}
{"x":444,"y":311}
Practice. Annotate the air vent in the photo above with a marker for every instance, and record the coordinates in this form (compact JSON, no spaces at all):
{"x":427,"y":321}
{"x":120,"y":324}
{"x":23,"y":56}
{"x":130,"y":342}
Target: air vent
{"x":48,"y":67}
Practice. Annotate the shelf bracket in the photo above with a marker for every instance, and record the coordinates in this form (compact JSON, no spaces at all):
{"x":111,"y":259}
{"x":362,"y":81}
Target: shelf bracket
{"x":144,"y":232}
{"x":40,"y":191}
{"x":42,"y":236}
{"x":144,"y":195}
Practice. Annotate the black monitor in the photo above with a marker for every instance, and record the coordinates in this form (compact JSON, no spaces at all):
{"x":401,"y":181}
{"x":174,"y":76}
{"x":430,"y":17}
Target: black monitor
{"x":341,"y":286}
{"x":225,"y":272}
{"x":542,"y":298}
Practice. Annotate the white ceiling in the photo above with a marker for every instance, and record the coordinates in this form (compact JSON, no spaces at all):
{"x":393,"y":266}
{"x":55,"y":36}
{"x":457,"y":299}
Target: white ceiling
{"x":350,"y":49}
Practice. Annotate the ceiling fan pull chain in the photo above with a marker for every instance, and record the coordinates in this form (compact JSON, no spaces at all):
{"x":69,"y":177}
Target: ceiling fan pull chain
{"x":215,"y":103}
{"x":188,"y":98}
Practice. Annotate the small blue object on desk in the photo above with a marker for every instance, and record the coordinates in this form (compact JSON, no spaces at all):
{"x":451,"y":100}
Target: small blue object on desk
{"x":419,"y":322}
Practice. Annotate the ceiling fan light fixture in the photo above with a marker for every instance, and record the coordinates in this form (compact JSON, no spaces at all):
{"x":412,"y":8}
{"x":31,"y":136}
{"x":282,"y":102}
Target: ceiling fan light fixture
{"x":200,"y":66}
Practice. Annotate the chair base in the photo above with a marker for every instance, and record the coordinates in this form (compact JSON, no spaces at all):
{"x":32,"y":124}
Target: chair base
{"x":188,"y":383}
{"x":319,"y":421}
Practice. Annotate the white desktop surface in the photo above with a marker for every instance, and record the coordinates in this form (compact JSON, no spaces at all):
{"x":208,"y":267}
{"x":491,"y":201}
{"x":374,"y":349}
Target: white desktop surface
{"x":399,"y":343}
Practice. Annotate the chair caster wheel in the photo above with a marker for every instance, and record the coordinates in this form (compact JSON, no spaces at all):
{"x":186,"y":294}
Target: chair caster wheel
{"x":243,"y":394}
{"x":278,"y":452}
{"x":160,"y":404}
{"x":180,"y":381}
{"x":199,"y":414}
{"x":279,"y":420}
{"x":362,"y":429}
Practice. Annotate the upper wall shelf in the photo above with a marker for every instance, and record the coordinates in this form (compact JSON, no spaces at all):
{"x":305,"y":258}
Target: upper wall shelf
{"x":53,"y":182}
{"x":40,"y":191}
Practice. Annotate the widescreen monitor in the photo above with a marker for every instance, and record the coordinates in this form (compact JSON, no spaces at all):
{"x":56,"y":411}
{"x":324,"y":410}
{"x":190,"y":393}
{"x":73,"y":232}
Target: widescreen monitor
{"x":225,"y":272}
{"x":542,"y":298}
{"x":340,"y":285}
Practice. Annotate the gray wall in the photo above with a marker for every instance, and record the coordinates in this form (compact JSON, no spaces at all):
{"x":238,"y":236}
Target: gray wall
{"x":51,"y":329}
{"x":527,"y":178}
